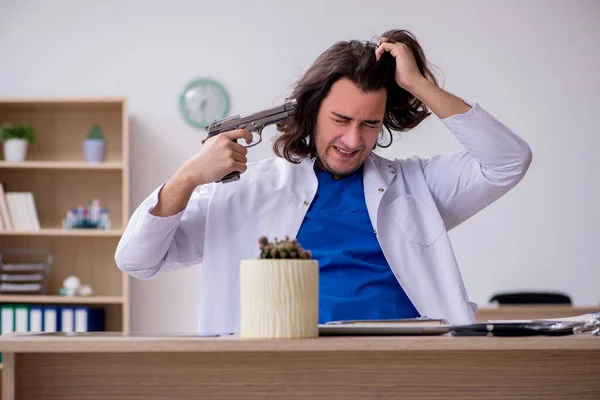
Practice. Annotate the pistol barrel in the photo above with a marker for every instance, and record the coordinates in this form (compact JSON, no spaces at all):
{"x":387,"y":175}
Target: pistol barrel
{"x":254,"y":121}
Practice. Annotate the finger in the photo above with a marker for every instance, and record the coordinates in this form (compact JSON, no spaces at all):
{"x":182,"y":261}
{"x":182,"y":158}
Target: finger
{"x":239,"y":167}
{"x":239,"y":134}
{"x":382,"y":48}
{"x":239,"y":157}
{"x":238,"y":148}
{"x":383,"y":39}
{"x":379,"y":51}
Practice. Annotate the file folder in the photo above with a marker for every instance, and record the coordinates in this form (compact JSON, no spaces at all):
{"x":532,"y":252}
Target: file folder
{"x":89,"y":319}
{"x":36,"y":319}
{"x":7,"y":318}
{"x":51,"y":319}
{"x":67,"y":319}
{"x":21,"y":318}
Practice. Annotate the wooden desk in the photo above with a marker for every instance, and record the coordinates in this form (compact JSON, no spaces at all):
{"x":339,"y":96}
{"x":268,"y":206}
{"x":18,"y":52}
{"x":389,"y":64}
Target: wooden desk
{"x":485,"y":314}
{"x":118,"y":367}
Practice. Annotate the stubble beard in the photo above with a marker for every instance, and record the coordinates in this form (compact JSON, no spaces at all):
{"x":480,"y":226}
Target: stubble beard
{"x":322,"y":163}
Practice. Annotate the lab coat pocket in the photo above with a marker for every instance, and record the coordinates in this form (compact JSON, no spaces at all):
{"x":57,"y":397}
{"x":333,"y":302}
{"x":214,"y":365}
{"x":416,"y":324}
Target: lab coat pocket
{"x":419,"y":222}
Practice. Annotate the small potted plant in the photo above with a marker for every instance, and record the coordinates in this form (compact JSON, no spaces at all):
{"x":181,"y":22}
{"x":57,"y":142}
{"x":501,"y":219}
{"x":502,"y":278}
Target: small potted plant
{"x":279,"y":292}
{"x":16,"y":138}
{"x":94,"y":147}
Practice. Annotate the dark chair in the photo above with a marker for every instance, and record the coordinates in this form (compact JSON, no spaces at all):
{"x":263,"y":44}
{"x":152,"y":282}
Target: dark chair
{"x":526,"y":298}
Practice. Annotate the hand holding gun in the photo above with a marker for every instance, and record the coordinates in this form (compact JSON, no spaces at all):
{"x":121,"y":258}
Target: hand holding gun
{"x":254,"y":123}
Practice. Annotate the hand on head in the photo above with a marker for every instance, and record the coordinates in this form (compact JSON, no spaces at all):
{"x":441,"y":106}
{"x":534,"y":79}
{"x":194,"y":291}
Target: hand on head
{"x":407,"y":72}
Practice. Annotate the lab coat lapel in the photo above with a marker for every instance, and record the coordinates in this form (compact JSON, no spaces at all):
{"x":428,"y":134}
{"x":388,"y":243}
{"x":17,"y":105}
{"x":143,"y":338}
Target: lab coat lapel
{"x":302,"y":184}
{"x":305,"y":175}
{"x":377,"y":176}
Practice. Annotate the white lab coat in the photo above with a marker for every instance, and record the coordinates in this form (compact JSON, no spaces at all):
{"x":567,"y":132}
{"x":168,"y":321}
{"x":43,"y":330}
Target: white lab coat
{"x":412,"y":204}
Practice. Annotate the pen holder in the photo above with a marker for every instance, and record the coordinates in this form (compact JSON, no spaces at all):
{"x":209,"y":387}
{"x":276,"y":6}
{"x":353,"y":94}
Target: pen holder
{"x":279,"y":298}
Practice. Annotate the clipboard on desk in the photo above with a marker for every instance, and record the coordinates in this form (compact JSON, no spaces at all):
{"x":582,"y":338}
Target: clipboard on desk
{"x":586,"y":323}
{"x":386,"y":327}
{"x":515,"y":329}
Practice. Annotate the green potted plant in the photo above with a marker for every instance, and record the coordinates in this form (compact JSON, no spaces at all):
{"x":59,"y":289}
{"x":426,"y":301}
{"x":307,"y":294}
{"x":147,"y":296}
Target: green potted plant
{"x":94,"y":147}
{"x":16,"y":138}
{"x":279,"y":292}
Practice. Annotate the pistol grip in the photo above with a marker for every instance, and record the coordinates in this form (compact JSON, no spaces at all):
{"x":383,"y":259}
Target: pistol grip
{"x":230,"y":177}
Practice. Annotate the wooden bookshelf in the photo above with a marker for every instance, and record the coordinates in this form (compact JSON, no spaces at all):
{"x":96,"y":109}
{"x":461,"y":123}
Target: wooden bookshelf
{"x":65,"y":232}
{"x":59,"y":178}
{"x":55,"y":299}
{"x":41,"y":164}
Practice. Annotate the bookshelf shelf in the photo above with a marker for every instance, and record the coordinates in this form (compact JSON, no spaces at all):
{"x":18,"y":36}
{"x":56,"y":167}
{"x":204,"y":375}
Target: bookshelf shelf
{"x":66,"y":232}
{"x":81,"y":165}
{"x":49,"y":299}
{"x":59,"y":179}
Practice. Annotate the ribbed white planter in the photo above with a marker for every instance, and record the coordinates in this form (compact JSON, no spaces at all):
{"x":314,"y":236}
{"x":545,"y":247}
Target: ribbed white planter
{"x":279,"y":298}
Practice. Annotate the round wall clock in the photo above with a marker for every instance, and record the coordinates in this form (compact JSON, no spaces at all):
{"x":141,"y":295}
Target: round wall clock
{"x":203,"y":101}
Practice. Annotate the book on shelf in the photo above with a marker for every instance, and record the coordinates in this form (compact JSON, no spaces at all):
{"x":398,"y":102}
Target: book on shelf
{"x":5,"y":220}
{"x":18,"y":211}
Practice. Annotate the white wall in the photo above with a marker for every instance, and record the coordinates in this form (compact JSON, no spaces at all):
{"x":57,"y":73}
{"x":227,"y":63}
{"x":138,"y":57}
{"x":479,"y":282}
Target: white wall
{"x":533,"y":64}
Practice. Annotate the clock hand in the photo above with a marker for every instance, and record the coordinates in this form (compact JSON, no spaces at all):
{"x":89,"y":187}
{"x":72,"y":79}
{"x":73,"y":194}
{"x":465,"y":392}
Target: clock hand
{"x":203,"y":109}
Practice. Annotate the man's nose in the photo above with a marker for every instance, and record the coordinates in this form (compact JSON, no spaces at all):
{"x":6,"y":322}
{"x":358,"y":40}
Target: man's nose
{"x":351,"y":138}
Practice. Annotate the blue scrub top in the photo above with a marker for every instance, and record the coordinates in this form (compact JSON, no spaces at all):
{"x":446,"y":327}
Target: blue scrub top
{"x":355,"y":280}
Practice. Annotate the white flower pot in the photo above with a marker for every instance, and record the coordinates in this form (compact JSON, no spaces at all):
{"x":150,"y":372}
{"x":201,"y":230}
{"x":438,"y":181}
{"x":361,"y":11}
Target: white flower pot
{"x":279,"y":298}
{"x":15,"y":149}
{"x":94,"y":150}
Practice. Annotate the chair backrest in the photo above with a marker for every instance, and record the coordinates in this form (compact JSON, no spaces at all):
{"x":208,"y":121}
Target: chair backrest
{"x":522,"y":298}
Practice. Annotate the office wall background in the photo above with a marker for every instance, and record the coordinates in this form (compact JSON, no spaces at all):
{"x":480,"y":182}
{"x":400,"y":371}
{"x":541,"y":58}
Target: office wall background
{"x":533,"y":64}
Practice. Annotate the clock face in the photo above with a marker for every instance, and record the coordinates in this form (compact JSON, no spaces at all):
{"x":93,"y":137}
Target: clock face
{"x":203,"y":101}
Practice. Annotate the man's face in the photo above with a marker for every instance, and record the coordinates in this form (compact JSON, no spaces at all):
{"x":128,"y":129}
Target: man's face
{"x":348,"y":125}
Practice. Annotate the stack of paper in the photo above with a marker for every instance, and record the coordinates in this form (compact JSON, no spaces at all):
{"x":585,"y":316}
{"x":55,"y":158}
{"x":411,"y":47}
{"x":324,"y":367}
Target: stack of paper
{"x":24,"y":271}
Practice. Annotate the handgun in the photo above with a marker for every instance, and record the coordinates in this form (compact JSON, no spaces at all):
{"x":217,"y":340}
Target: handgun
{"x":254,"y":123}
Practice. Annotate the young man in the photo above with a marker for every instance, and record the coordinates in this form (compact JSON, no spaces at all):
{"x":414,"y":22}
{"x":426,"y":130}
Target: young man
{"x":377,"y":227}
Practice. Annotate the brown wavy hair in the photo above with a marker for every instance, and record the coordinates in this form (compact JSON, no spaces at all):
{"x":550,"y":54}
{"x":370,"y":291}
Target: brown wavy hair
{"x":354,"y":60}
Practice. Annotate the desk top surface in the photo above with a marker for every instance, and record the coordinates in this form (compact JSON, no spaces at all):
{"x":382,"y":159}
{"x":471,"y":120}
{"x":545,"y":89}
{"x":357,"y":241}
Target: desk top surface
{"x":190,"y":342}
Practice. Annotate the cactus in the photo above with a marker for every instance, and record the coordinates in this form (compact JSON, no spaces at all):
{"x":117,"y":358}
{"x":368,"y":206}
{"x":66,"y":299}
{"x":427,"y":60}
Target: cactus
{"x":281,"y":249}
{"x":95,"y":132}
